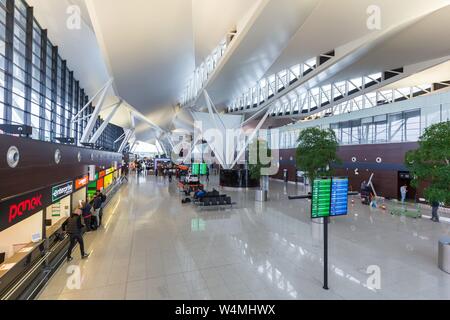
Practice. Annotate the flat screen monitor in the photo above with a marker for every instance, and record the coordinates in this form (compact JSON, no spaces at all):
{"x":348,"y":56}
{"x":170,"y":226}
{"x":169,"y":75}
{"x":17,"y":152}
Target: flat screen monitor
{"x":195,"y":169}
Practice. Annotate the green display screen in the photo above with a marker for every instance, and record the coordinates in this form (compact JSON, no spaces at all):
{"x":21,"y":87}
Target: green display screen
{"x":321,"y":198}
{"x":203,"y":169}
{"x":195,"y":169}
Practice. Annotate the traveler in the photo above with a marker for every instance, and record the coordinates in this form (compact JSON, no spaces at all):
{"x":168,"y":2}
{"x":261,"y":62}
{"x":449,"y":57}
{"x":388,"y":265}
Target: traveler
{"x":207,"y":174}
{"x":434,"y":211}
{"x":86,"y":210}
{"x":170,"y":175}
{"x":403,"y":192}
{"x":97,"y":204}
{"x":74,"y":227}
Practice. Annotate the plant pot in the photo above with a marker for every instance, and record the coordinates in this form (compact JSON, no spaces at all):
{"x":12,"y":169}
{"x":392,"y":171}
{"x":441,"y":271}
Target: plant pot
{"x":261,"y":196}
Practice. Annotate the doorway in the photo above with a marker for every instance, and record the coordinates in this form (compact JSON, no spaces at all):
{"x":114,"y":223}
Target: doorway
{"x":404,"y":178}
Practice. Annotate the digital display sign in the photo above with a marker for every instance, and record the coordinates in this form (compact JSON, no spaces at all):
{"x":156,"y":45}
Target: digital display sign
{"x":195,"y":169}
{"x":321,"y":198}
{"x":203,"y":169}
{"x":339,"y":197}
{"x":329,"y":197}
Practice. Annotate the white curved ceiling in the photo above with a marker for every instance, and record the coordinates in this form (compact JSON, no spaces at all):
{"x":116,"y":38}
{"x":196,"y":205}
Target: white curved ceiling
{"x":151,"y":47}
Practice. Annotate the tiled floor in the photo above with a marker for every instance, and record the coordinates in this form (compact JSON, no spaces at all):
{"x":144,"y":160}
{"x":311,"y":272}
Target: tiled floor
{"x":152,"y":247}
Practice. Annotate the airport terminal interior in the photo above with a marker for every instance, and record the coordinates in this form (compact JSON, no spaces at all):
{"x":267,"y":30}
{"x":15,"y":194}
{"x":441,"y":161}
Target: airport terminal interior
{"x":224,"y":150}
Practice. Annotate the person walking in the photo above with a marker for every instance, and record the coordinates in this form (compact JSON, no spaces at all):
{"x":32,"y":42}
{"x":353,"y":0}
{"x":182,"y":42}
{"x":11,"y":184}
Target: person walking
{"x":86,"y":210}
{"x":74,"y":228}
{"x":403,"y":192}
{"x":434,"y":211}
{"x":207,"y":174}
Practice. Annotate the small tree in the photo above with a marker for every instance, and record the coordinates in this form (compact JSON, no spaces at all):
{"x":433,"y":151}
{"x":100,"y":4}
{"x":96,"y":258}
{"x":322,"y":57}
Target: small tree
{"x":317,"y":149}
{"x":431,"y":163}
{"x":257,"y":165}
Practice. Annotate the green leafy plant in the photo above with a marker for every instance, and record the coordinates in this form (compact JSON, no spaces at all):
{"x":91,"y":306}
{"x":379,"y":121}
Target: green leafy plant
{"x":316,"y":151}
{"x":430,"y":163}
{"x":258,"y":148}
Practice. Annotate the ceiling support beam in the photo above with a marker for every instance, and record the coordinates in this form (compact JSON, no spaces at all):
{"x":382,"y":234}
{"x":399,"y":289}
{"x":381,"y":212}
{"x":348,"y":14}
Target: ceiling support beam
{"x":251,"y":137}
{"x":127,"y":138}
{"x":93,"y":119}
{"x":105,"y":123}
{"x":102,"y":91}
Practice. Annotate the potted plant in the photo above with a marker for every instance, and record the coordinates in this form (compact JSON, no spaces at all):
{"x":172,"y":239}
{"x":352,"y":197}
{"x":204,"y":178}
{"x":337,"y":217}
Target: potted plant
{"x":260,"y":159}
{"x":430,"y":165}
{"x":316,"y":151}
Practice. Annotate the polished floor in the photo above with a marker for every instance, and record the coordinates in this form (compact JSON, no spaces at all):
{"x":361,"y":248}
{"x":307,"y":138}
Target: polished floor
{"x":153,"y":247}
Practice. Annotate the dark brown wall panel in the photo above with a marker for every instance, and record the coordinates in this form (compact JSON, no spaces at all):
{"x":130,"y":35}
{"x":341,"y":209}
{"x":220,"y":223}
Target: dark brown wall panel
{"x":364,"y":158}
{"x":37,"y":167}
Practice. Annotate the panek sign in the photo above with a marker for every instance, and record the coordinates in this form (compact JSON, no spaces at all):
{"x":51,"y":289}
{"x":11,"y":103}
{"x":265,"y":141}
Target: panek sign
{"x":22,"y":207}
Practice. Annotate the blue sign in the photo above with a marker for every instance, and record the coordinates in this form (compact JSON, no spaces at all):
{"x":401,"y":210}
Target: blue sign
{"x":339,"y":197}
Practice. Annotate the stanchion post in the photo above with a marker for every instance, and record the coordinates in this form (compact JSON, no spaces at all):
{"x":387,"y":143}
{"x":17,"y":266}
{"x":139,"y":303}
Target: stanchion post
{"x":325,"y":253}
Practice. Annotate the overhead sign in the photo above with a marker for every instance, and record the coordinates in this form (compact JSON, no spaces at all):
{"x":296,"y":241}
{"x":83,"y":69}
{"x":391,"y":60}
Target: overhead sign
{"x":20,"y":208}
{"x":109,"y":171}
{"x":82,"y":182}
{"x":329,"y":198}
{"x":62,"y":191}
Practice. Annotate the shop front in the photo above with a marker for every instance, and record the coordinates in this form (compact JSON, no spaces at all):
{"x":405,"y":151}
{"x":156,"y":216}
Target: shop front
{"x":81,"y":191}
{"x":21,"y":233}
{"x":59,"y":210}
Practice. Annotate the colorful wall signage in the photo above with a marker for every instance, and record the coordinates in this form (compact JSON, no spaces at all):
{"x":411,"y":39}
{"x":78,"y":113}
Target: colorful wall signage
{"x":62,"y":191}
{"x":329,"y":197}
{"x":82,"y":182}
{"x":20,"y":208}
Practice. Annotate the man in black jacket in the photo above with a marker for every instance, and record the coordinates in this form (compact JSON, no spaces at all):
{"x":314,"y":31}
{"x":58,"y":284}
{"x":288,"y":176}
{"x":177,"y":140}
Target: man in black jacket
{"x":74,"y":228}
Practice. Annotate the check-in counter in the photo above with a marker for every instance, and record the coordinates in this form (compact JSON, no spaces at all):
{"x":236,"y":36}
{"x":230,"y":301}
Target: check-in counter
{"x":18,"y":271}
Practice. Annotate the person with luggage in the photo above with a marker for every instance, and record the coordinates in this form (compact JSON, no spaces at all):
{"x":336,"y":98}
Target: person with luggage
{"x":74,"y":227}
{"x":86,"y":210}
{"x":97,"y":204}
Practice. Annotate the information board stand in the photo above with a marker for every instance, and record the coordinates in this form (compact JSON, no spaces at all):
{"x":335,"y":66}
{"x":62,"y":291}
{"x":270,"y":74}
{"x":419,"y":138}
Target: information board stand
{"x":329,"y":199}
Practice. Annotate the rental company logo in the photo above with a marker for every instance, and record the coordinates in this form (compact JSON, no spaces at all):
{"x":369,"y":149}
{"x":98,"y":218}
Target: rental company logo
{"x":62,"y":191}
{"x":27,"y":206}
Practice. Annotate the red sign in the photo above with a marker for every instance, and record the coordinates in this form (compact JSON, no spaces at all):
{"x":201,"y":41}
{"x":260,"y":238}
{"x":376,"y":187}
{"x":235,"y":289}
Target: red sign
{"x":102,"y":174}
{"x":22,"y":207}
{"x":26,"y":207}
{"x":99,"y":184}
{"x":82,"y":182}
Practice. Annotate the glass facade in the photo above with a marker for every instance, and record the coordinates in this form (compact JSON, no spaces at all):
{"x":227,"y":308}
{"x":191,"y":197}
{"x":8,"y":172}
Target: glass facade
{"x":36,"y":86}
{"x":386,"y":128}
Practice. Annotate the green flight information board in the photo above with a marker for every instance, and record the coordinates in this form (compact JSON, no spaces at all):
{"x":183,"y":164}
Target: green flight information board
{"x":330,"y":197}
{"x":321,"y":198}
{"x":195,"y":169}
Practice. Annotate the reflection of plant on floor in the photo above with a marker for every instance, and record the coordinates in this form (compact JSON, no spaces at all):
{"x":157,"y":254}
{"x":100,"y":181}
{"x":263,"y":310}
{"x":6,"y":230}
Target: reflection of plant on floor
{"x":316,"y":151}
{"x":430,"y":163}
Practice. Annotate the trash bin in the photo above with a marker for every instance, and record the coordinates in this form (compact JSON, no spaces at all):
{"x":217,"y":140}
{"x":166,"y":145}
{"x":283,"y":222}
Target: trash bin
{"x":444,"y":254}
{"x":286,"y":175}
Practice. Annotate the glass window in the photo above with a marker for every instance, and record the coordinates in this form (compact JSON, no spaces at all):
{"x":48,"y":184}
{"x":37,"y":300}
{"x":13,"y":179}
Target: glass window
{"x":413,"y":126}
{"x":396,"y":127}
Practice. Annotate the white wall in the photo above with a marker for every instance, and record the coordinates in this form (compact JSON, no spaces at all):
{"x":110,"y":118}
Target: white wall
{"x":20,"y":233}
